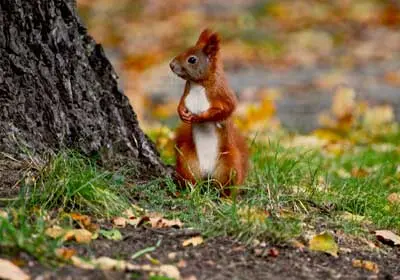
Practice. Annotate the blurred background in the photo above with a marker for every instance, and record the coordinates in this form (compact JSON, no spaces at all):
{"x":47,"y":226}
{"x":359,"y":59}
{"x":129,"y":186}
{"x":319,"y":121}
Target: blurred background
{"x":298,"y":64}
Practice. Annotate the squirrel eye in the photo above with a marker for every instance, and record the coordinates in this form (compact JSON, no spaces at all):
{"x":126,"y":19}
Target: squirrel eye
{"x":192,"y":59}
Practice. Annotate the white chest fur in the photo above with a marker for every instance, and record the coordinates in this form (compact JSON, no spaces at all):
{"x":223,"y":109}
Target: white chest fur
{"x":205,"y":134}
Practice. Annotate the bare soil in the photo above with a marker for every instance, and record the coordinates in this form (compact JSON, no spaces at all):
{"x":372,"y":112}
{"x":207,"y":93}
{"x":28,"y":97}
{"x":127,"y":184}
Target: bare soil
{"x":224,"y":258}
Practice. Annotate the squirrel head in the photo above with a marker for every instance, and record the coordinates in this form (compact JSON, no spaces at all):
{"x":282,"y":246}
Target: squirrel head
{"x":200,"y":61}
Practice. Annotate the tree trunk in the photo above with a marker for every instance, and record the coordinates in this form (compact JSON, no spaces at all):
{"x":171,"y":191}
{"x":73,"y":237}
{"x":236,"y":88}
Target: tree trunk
{"x":58,"y":90}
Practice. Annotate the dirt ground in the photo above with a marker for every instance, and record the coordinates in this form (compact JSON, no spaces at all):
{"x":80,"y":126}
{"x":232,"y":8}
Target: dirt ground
{"x":223,"y":258}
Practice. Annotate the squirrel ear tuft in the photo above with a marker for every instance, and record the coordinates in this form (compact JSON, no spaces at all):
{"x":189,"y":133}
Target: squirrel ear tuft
{"x":211,"y":48}
{"x":204,"y":36}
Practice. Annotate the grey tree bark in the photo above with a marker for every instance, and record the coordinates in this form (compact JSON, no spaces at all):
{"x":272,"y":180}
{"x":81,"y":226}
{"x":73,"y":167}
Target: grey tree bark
{"x":58,"y":90}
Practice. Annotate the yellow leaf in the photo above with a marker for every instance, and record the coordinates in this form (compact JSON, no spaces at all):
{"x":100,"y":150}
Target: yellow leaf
{"x":10,"y":271}
{"x":65,"y":253}
{"x":82,"y":236}
{"x":368,"y":265}
{"x":55,"y":232}
{"x":81,"y":263}
{"x":378,"y":115}
{"x":324,"y":242}
{"x":344,"y":102}
{"x":79,"y":235}
{"x":194,"y":241}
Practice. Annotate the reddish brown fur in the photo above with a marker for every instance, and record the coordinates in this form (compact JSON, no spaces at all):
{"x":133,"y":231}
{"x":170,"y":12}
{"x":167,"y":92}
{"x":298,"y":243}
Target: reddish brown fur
{"x":232,"y":163}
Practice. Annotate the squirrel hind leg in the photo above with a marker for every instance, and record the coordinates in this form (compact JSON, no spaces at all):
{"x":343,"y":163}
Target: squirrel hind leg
{"x":187,"y":166}
{"x":229,"y":173}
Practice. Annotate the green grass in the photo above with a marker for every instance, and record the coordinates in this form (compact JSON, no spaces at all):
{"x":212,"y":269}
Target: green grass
{"x":21,"y":233}
{"x":71,"y":182}
{"x":288,"y":191}
{"x":295,"y":187}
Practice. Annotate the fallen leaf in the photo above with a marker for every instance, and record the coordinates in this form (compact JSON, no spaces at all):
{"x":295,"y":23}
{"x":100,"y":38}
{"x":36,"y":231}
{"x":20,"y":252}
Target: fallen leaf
{"x":368,"y":265}
{"x":10,"y":271}
{"x":324,"y":242}
{"x":194,"y":241}
{"x":106,"y":263}
{"x":65,"y":253}
{"x":113,"y":234}
{"x":79,"y":235}
{"x":387,"y":237}
{"x":82,"y":236}
{"x":165,"y":223}
{"x":55,"y":232}
{"x":83,"y":220}
{"x":3,"y":214}
{"x":394,"y":198}
{"x":81,"y":263}
{"x":359,"y":172}
{"x":120,"y":222}
{"x":170,"y":271}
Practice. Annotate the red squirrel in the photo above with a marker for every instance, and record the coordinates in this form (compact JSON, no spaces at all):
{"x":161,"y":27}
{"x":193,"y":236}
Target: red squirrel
{"x":208,"y":145}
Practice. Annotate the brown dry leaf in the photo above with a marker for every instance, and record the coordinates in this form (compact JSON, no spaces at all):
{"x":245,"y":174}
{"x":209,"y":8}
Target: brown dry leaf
{"x":165,"y":223}
{"x":394,"y":198}
{"x":85,"y":222}
{"x":359,"y":172}
{"x":194,"y":241}
{"x":10,"y":271}
{"x":324,"y":242}
{"x":65,"y":253}
{"x":387,"y":237}
{"x":120,"y":222}
{"x":368,"y":265}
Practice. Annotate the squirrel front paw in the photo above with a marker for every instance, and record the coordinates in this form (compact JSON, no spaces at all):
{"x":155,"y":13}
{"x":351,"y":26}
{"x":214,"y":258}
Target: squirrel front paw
{"x":185,"y":114}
